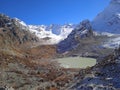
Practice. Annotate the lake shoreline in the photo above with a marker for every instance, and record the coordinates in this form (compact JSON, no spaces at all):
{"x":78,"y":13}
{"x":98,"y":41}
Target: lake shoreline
{"x":76,"y":62}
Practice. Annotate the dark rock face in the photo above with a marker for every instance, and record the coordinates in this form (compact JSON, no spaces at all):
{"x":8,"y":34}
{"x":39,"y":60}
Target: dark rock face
{"x":14,"y":37}
{"x":12,"y":32}
{"x":103,"y":76}
{"x":82,"y":31}
{"x":5,"y":21}
{"x":83,"y":42}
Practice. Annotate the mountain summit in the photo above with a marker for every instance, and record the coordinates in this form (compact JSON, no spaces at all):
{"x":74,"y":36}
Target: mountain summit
{"x":53,"y":33}
{"x":109,"y":19}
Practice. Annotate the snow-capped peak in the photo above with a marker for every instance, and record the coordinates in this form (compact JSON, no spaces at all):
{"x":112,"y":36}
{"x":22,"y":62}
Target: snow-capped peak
{"x":108,"y":23}
{"x":21,"y":22}
{"x":109,"y":19}
{"x":52,"y":34}
{"x":56,"y":33}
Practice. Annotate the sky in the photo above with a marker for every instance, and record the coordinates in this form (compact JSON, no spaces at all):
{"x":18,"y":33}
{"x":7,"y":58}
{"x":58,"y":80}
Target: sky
{"x":52,"y":11}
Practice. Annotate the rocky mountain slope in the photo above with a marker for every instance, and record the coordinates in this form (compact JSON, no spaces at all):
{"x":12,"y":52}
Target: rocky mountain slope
{"x":26,"y":65}
{"x":13,"y":36}
{"x":48,"y":34}
{"x":19,"y":34}
{"x":109,"y":19}
{"x":96,"y":37}
{"x":103,"y":76}
{"x":83,"y":41}
{"x":28,"y":73}
{"x":16,"y":39}
{"x":81,"y":32}
{"x":54,"y":32}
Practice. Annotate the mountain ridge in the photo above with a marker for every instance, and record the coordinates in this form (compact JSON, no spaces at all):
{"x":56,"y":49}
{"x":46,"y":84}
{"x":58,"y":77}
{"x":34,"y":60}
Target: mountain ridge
{"x":54,"y":32}
{"x":109,"y":19}
{"x":28,"y":66}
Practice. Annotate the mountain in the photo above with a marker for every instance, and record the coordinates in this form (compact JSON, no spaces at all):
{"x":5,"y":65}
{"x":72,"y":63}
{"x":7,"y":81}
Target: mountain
{"x":13,"y":36}
{"x":25,"y":64}
{"x":17,"y":39}
{"x":109,"y":19}
{"x":48,"y":34}
{"x":81,"y":31}
{"x":103,"y":76}
{"x":83,"y":41}
{"x":53,"y":33}
{"x":105,"y":28}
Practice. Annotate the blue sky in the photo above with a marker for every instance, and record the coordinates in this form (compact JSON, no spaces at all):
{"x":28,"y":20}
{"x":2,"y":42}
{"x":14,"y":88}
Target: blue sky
{"x":52,"y":11}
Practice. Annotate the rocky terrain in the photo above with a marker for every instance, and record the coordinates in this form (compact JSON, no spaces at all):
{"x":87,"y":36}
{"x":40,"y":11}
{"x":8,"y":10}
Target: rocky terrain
{"x":103,"y":76}
{"x":27,"y":54}
{"x":24,"y":64}
{"x":83,"y":41}
{"x":54,"y":32}
{"x":109,"y":19}
{"x":27,"y":65}
{"x":17,"y":40}
{"x":14,"y":38}
{"x":31,"y":74}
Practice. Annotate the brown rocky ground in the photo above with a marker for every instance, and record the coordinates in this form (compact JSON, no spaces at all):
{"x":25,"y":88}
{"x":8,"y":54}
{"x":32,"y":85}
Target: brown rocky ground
{"x":103,"y":76}
{"x":26,"y":73}
{"x":25,"y":64}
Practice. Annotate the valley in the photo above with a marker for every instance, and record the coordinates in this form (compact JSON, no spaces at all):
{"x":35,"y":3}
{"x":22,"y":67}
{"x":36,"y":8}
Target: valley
{"x":83,"y":56}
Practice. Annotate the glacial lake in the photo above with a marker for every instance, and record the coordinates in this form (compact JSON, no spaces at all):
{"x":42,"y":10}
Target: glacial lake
{"x":76,"y":62}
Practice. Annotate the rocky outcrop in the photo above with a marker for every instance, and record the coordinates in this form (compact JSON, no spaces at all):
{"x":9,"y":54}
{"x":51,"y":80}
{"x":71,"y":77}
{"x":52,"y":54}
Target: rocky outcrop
{"x":16,"y":39}
{"x":11,"y":28}
{"x":109,"y":19}
{"x":104,"y":75}
{"x":82,"y":31}
{"x":13,"y":37}
{"x":83,"y":42}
